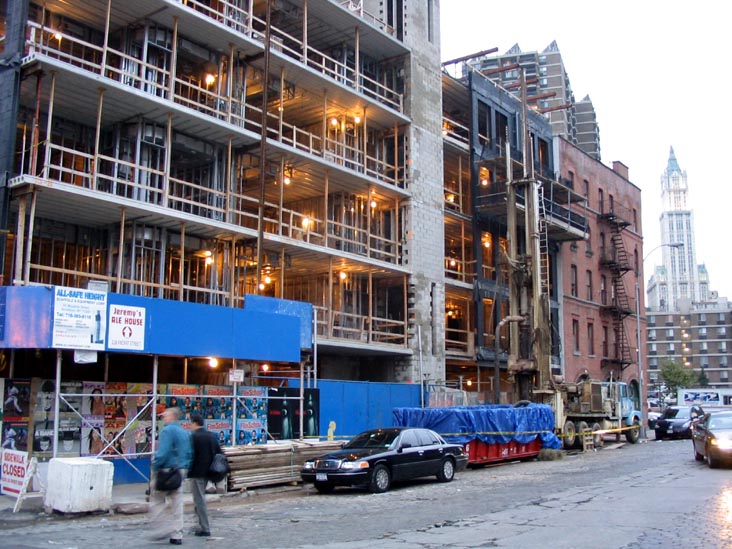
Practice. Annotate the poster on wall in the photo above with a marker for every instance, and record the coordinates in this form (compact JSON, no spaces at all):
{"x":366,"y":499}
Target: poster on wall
{"x":16,"y":399}
{"x":222,"y":395}
{"x":15,"y":435}
{"x":283,"y":418}
{"x":115,"y":401}
{"x":79,"y":319}
{"x":221,"y":429}
{"x":252,"y":403}
{"x":139,"y":403}
{"x":250,"y":431}
{"x":92,"y":405}
{"x":69,"y":436}
{"x":92,"y":436}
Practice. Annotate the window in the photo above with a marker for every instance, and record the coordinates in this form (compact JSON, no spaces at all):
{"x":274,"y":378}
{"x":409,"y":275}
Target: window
{"x":612,"y":203}
{"x":588,"y":276}
{"x":600,"y":201}
{"x":636,"y":261}
{"x":721,"y":331}
{"x":605,"y":342}
{"x":576,"y":336}
{"x":590,"y":339}
{"x":603,"y":289}
{"x":721,"y":317}
{"x":635,"y":219}
{"x":573,"y":281}
{"x":602,"y":245}
{"x":671,"y":348}
{"x":587,"y":188}
{"x":670,"y":333}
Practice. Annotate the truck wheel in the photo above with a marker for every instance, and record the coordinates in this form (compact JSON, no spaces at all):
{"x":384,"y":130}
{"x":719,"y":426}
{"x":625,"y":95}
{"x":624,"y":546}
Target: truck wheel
{"x":569,"y":435}
{"x":597,"y":439}
{"x":633,"y":434}
{"x":582,"y":427}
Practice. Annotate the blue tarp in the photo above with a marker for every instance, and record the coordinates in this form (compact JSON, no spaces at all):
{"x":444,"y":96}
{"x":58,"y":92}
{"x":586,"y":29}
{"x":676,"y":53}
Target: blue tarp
{"x":492,"y":424}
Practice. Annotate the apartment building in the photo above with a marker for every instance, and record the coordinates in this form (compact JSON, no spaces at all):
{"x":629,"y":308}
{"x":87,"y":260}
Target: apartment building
{"x":547,"y":81}
{"x":603,"y":276}
{"x":699,"y":338}
{"x":204,"y":150}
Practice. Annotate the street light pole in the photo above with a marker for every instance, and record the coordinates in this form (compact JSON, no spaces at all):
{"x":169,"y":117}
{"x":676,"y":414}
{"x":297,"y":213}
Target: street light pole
{"x":641,"y":393}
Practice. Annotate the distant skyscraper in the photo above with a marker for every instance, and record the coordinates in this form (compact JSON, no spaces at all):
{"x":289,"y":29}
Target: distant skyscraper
{"x":679,"y":277}
{"x":545,"y":74}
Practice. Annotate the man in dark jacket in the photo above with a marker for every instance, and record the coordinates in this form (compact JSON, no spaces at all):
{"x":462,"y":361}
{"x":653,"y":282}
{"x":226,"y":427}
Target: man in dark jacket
{"x":205,"y":447}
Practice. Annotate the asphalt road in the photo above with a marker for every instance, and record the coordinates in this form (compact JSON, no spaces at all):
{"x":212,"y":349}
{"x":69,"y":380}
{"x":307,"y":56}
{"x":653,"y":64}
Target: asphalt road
{"x":651,"y":494}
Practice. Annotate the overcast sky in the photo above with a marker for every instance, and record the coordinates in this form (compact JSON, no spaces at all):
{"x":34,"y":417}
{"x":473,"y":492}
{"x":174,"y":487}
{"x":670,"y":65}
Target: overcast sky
{"x":656,"y":72}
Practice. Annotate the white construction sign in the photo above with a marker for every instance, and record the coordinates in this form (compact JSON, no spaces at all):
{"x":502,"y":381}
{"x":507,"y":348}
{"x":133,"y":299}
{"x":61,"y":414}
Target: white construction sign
{"x":79,"y":319}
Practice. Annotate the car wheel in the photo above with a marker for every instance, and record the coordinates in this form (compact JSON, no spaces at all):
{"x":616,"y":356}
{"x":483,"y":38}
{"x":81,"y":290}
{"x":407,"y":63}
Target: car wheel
{"x":569,"y":434}
{"x":633,"y":434}
{"x":380,"y":479}
{"x":447,"y":471}
{"x":324,"y":487}
{"x":711,"y":460}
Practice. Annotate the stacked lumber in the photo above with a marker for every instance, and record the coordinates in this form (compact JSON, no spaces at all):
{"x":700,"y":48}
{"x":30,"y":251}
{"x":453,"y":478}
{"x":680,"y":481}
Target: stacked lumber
{"x":272,"y":463}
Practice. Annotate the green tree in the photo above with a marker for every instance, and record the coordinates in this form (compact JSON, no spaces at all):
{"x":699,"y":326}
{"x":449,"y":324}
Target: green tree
{"x":675,"y":375}
{"x":703,"y":379}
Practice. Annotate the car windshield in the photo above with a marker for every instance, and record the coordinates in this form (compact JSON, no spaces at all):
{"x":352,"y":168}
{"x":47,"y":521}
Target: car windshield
{"x":724,"y":422}
{"x":678,"y":413}
{"x":373,"y":439}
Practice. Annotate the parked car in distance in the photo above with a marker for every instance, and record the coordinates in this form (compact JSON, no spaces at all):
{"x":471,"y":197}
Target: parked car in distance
{"x":376,"y":458}
{"x":675,"y":421}
{"x":652,"y":419}
{"x":712,"y":438}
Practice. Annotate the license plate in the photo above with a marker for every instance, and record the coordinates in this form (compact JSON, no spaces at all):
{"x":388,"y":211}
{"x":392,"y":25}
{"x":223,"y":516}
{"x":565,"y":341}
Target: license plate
{"x":321,"y":476}
{"x":670,"y":431}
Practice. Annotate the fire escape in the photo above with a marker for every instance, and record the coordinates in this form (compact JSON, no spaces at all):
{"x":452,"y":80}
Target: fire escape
{"x":618,"y":307}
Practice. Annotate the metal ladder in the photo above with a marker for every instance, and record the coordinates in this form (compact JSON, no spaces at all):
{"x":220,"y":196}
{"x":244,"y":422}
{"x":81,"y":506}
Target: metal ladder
{"x":543,"y":243}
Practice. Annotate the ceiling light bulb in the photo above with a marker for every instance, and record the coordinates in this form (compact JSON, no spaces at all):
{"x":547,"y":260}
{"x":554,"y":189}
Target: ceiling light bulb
{"x":209,"y":79}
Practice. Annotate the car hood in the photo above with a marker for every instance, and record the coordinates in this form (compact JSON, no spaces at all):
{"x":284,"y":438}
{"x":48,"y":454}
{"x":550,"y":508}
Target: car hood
{"x":353,"y":454}
{"x":722,"y":433}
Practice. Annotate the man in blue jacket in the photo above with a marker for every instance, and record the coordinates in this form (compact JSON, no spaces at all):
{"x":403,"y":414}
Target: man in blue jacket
{"x":174,"y":450}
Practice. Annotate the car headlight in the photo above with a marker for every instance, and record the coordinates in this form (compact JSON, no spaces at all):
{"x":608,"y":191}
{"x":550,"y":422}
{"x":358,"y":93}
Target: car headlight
{"x":354,"y":465}
{"x":722,"y":443}
{"x":308,"y":465}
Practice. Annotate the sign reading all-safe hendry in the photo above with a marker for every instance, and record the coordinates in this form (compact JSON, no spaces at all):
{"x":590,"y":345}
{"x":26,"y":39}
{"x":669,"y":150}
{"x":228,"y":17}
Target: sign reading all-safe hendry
{"x":79,"y":319}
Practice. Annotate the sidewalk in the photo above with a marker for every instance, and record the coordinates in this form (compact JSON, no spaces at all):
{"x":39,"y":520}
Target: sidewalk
{"x":131,"y":498}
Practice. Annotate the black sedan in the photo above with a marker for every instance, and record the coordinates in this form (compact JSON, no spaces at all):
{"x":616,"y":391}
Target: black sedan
{"x":676,"y":421}
{"x":376,"y":458}
{"x":712,"y":438}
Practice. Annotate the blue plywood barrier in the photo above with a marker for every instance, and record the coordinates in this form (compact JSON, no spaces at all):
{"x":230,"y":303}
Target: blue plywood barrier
{"x":355,"y":406}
